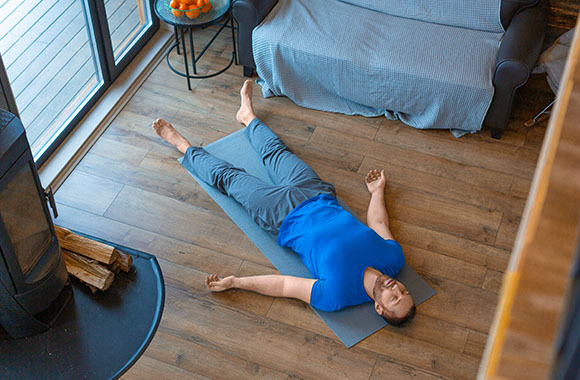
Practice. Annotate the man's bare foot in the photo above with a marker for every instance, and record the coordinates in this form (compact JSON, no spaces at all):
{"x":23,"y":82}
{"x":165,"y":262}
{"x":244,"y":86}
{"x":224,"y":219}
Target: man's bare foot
{"x":169,"y":134}
{"x":246,"y":112}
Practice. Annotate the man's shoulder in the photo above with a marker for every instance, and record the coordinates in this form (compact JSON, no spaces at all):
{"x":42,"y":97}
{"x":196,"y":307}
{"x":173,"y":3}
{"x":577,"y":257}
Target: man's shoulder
{"x":332,"y":295}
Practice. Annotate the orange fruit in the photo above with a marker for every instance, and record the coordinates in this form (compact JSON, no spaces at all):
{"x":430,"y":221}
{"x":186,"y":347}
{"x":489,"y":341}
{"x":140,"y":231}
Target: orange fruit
{"x":183,"y":7}
{"x":187,"y":2}
{"x":176,"y":13}
{"x":174,"y":4}
{"x":207,"y":7}
{"x":193,"y":13}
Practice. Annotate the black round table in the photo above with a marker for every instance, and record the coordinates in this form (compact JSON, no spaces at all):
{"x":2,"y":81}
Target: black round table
{"x":97,"y":336}
{"x":219,"y":14}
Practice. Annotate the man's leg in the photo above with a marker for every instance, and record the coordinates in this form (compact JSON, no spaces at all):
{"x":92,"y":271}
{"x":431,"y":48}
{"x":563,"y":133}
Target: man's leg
{"x":284,"y":167}
{"x":267,"y":204}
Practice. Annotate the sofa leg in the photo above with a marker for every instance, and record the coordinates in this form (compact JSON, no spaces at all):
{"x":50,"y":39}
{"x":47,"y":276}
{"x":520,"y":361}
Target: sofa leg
{"x":248,"y":71}
{"x":496,"y":133}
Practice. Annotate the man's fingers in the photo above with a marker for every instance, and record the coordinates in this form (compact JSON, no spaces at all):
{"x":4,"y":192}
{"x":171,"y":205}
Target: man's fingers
{"x":211,"y":280}
{"x":374,"y":174}
{"x":214,"y":283}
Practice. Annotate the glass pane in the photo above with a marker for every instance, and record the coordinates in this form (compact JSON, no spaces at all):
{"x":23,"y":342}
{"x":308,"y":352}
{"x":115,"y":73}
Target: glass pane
{"x":23,"y":215}
{"x":49,"y":54}
{"x":128,"y":20}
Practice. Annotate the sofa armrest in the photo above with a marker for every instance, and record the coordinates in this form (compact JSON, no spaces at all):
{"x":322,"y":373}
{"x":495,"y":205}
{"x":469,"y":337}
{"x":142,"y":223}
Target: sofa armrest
{"x":517,"y":55}
{"x":248,"y":14}
{"x":523,"y":39}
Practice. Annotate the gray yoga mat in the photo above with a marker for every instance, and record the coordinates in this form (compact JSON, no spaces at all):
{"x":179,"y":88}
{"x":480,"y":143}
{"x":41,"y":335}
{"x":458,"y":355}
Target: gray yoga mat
{"x":351,"y":324}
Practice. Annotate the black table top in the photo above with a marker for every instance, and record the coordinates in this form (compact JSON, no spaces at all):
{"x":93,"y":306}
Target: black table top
{"x":218,"y":10}
{"x":97,"y":336}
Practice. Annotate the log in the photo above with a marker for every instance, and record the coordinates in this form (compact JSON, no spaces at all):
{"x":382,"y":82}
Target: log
{"x":81,"y":245}
{"x":87,"y":270}
{"x":125,"y":261}
{"x":115,"y":267}
{"x":93,"y":289}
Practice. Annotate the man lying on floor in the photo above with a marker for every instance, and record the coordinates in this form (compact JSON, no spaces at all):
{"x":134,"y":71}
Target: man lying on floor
{"x":351,"y":263}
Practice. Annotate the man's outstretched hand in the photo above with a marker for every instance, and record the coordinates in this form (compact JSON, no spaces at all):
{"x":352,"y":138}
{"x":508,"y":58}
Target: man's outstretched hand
{"x":376,"y":181}
{"x":215,"y":284}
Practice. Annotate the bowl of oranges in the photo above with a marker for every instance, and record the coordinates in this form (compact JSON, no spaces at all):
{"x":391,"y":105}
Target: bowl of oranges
{"x":190,"y":8}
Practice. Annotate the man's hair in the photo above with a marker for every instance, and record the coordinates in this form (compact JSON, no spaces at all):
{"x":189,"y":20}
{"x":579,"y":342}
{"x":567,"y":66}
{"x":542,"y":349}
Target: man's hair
{"x":400,"y":322}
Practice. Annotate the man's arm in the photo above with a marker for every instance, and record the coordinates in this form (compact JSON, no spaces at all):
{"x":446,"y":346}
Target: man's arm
{"x":274,"y":285}
{"x":377,"y":217}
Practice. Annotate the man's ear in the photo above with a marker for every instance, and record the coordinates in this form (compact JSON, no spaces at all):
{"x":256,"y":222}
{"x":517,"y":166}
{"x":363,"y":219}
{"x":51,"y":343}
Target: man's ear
{"x":378,"y":308}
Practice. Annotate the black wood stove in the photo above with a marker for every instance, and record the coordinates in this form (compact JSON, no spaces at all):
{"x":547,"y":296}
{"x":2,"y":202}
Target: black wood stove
{"x":34,"y":285}
{"x":84,"y":336}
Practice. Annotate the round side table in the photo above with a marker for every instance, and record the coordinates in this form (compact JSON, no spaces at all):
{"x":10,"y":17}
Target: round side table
{"x":220,"y":12}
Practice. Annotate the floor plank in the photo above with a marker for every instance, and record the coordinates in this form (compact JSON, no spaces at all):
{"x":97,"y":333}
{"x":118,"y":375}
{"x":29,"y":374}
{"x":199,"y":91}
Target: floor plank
{"x":453,"y":189}
{"x":388,"y":369}
{"x":503,"y":158}
{"x":493,"y":281}
{"x":176,"y":251}
{"x":190,"y":280}
{"x":428,"y":262}
{"x":252,"y":336}
{"x":460,"y":304}
{"x":508,"y":230}
{"x":183,"y":190}
{"x":416,"y":160}
{"x":153,"y":369}
{"x":418,"y":207}
{"x":88,"y":192}
{"x":475,"y":344}
{"x":427,"y":329}
{"x":454,"y":246}
{"x":127,"y":153}
{"x":520,"y":187}
{"x":199,"y":358}
{"x":210,"y":229}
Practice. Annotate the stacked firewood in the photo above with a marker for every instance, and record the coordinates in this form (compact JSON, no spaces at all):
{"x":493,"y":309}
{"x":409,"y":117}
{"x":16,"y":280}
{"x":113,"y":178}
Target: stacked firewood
{"x":92,"y":262}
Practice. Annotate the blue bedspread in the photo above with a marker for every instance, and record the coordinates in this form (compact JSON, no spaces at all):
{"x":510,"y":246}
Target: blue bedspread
{"x":333,"y":56}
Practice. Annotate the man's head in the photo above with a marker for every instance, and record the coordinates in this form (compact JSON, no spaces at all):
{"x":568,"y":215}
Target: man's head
{"x":393,"y":301}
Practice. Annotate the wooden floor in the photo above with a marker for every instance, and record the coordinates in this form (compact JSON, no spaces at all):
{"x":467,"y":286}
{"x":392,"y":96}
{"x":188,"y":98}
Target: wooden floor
{"x":46,"y":51}
{"x":455,"y":205}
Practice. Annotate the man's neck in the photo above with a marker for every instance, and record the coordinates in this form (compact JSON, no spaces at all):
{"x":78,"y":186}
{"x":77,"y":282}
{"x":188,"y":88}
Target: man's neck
{"x":369,"y":279}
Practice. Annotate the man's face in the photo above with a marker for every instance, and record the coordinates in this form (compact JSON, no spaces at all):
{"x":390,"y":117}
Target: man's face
{"x":391,"y":297}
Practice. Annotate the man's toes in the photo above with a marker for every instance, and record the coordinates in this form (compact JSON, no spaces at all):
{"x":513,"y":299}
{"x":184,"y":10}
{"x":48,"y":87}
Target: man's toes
{"x":247,"y":87}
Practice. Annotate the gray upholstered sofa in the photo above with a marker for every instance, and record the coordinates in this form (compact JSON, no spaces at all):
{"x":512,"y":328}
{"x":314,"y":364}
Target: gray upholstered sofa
{"x":513,"y":59}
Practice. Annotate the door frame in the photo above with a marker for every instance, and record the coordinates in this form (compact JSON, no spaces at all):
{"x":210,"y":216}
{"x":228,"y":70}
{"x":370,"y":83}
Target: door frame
{"x":6,"y":91}
{"x":114,"y":70}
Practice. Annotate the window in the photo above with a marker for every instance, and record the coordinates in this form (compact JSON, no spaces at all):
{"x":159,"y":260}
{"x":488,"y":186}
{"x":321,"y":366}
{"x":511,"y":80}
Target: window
{"x":61,"y":55}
